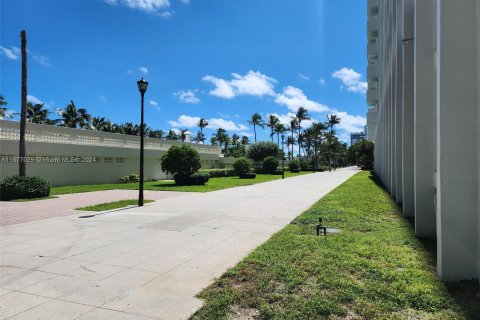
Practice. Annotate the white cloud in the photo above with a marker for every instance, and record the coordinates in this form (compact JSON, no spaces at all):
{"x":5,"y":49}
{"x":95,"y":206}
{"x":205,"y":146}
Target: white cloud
{"x":293,"y":98}
{"x":185,"y":121}
{"x":185,"y":1}
{"x":188,"y":96}
{"x":166,"y":14}
{"x":350,"y":123}
{"x":103,"y":99}
{"x":42,"y":60}
{"x":252,"y":83}
{"x":351,"y":79}
{"x":149,"y":6}
{"x":33,"y":99}
{"x":304,"y":77}
{"x":143,"y":70}
{"x":247,"y":134}
{"x":321,"y":82}
{"x":12,"y":53}
{"x":154,"y":104}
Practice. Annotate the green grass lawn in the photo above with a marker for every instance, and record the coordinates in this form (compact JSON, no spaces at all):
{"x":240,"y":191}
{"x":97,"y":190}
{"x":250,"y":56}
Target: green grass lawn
{"x":374,"y":268}
{"x":168,"y":185}
{"x":112,"y":205}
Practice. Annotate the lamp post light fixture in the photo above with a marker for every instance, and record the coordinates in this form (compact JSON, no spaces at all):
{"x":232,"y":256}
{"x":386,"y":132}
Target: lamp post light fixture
{"x":142,"y":87}
{"x":283,"y":156}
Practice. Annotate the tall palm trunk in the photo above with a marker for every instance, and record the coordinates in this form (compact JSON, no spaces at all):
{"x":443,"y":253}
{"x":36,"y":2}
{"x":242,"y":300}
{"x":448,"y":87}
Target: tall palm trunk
{"x":293,"y":142}
{"x":22,"y":170}
{"x":255,"y":132}
{"x":299,"y":144}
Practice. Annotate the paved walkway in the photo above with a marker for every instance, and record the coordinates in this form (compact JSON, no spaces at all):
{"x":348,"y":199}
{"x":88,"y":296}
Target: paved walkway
{"x":149,"y":262}
{"x":21,"y":212}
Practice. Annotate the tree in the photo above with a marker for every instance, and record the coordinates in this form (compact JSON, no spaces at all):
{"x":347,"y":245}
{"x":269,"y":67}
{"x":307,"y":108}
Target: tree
{"x":279,"y":129}
{"x":172,"y":135}
{"x":183,"y":134}
{"x":272,"y":123}
{"x":200,"y":137}
{"x":260,"y":150}
{"x":220,"y":135}
{"x":245,"y":140}
{"x":302,"y":114}
{"x":37,"y":114}
{"x":72,"y":117}
{"x":317,"y":132}
{"x":100,"y":124}
{"x":158,"y":134}
{"x":4,"y":114}
{"x":290,"y":142}
{"x":22,"y":169}
{"x":293,"y":128}
{"x":202,"y":123}
{"x":256,"y":120}
{"x":332,"y":120}
{"x":181,"y":159}
{"x":213,"y":140}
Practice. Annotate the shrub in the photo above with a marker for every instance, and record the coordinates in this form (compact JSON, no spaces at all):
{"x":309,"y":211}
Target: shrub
{"x":260,"y":150}
{"x":247,"y":175}
{"x":270,"y":164}
{"x":219,"y":173}
{"x":242,"y":165}
{"x":183,"y":160}
{"x":17,"y":187}
{"x":197,"y":179}
{"x":132,"y":177}
{"x":294,"y":166}
{"x":366,"y":162}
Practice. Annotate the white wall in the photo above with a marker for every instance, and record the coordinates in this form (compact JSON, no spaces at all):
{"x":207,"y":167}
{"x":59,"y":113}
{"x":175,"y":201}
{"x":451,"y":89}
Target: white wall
{"x":116,"y":154}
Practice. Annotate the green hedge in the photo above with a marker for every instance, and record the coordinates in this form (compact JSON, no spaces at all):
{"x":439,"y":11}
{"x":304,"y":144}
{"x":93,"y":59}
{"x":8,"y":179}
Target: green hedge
{"x":17,"y":187}
{"x":218,"y":173}
{"x":196,"y":179}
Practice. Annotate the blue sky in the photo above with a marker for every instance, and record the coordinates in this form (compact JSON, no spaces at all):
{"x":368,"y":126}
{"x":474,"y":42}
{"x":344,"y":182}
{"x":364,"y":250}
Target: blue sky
{"x":218,"y":59}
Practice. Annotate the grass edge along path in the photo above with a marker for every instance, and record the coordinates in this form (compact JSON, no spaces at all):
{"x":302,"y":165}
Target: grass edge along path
{"x":112,"y":205}
{"x":375,"y":268}
{"x":169,"y":185}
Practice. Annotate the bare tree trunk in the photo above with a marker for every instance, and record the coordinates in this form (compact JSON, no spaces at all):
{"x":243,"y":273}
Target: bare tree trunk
{"x":22,"y":171}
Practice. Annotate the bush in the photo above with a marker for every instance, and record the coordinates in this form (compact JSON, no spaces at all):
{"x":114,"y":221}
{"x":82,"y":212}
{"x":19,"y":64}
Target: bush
{"x":17,"y":187}
{"x":219,"y":173}
{"x":260,"y":150}
{"x":270,"y":164}
{"x":197,"y":179}
{"x":248,"y":175}
{"x":294,"y":166}
{"x":366,"y":162}
{"x":242,"y":165}
{"x":132,"y":177}
{"x":183,"y":160}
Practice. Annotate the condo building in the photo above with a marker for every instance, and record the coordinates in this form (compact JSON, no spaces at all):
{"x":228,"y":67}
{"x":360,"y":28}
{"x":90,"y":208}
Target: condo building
{"x":424,"y":119}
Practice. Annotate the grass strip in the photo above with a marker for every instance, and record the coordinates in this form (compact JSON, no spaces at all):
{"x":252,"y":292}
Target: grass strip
{"x":112,"y":205}
{"x":375,"y":268}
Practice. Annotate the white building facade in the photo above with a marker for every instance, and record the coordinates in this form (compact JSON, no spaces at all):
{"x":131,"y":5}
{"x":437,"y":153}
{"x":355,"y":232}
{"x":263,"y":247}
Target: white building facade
{"x":66,"y":156}
{"x":424,"y":118}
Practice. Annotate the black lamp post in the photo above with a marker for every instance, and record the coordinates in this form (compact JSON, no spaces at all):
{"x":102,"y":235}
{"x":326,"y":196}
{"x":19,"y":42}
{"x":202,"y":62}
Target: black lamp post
{"x":283,"y":156}
{"x":142,"y":87}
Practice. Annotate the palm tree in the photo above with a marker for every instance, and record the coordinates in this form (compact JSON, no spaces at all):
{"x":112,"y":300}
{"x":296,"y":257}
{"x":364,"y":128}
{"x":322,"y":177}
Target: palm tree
{"x":302,"y":114}
{"x":245,"y":140}
{"x":317,"y":131}
{"x":293,"y":128}
{"x":72,"y":117}
{"x":332,"y":120}
{"x":37,"y":114}
{"x":279,"y":129}
{"x":183,"y":134}
{"x":158,"y":134}
{"x":100,"y":123}
{"x":256,"y":120}
{"x":200,"y":137}
{"x":213,"y":140}
{"x":202,"y":123}
{"x":22,"y":169}
{"x":4,"y":114}
{"x":220,"y":135}
{"x":290,"y":142}
{"x":171,"y":135}
{"x":272,"y":122}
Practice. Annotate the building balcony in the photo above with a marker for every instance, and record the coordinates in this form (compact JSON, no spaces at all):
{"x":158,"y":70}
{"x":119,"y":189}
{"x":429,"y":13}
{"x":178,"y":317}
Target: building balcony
{"x":372,"y":96}
{"x":372,"y":50}
{"x":372,"y":8}
{"x":372,"y":27}
{"x":372,"y":72}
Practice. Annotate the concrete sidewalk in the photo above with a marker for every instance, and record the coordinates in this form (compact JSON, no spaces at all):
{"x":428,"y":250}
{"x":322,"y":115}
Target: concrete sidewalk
{"x":20,"y":212}
{"x":147,"y":262}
